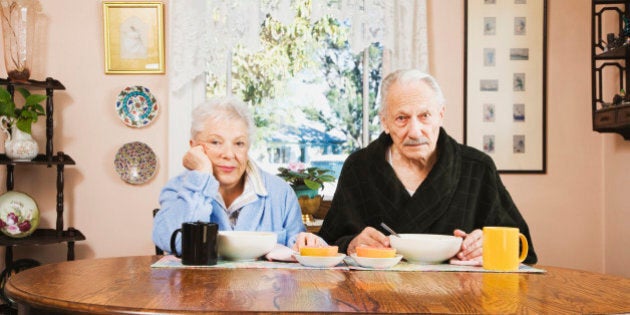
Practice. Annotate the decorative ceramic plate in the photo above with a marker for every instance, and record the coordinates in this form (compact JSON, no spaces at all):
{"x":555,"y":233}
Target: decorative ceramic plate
{"x":19,"y":215}
{"x":135,"y":162}
{"x":376,"y":263}
{"x":320,"y":261}
{"x":136,"y":106}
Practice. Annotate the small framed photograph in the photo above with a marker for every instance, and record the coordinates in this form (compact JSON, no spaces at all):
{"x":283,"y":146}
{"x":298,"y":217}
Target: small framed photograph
{"x":519,"y":53}
{"x":519,"y":82}
{"x":489,"y":25}
{"x":488,"y":57}
{"x":134,"y":37}
{"x":488,"y":112}
{"x":520,"y":25}
{"x":519,"y":112}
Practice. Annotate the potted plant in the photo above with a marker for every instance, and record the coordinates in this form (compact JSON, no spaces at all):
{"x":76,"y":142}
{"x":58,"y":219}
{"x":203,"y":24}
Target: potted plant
{"x":306,"y":182}
{"x":16,"y":122}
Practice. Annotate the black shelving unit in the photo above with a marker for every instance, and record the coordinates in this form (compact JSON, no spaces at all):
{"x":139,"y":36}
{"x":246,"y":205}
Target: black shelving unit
{"x":41,"y":236}
{"x":610,"y":65}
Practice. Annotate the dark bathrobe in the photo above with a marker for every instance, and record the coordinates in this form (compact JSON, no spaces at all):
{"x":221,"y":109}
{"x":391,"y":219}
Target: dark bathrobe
{"x":462,"y":191}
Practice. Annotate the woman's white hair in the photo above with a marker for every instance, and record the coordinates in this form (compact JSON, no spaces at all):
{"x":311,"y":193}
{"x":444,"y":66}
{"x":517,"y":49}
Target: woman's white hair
{"x":404,"y":76}
{"x":221,"y":109}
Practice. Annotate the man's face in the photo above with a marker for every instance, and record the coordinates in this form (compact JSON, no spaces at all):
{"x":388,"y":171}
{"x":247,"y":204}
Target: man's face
{"x":413,"y":119}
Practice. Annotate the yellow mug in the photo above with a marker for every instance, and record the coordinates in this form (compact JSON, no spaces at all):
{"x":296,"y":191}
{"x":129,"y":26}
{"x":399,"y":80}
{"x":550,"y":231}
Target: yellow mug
{"x":500,"y":248}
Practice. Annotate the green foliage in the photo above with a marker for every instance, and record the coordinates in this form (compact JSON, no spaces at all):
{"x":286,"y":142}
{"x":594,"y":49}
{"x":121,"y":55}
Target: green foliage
{"x":286,"y":50}
{"x":312,"y":177}
{"x":25,"y":116}
{"x":344,"y":75}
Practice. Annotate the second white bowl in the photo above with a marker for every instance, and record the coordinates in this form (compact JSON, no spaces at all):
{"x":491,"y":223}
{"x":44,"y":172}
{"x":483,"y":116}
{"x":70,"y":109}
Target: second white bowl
{"x":245,"y":245}
{"x":426,"y":248}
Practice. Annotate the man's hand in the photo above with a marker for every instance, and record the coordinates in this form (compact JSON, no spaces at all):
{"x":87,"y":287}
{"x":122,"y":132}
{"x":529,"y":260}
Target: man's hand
{"x":308,"y":239}
{"x":368,"y":237}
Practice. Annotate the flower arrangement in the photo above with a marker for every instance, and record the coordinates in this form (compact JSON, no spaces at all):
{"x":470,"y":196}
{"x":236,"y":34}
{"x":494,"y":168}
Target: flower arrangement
{"x":297,"y":174}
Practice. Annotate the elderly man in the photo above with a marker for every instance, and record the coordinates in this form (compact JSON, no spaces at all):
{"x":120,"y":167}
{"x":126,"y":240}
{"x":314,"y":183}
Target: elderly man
{"x":417,"y":179}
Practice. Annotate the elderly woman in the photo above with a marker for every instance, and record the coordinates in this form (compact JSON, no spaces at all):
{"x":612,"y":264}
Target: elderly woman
{"x":223,"y":186}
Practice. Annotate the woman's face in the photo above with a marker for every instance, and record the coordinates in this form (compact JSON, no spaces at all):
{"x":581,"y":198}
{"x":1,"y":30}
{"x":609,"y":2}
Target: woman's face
{"x":226,"y":143}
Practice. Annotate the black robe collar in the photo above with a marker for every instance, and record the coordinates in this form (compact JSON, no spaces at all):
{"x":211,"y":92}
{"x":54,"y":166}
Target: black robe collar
{"x":431,"y":199}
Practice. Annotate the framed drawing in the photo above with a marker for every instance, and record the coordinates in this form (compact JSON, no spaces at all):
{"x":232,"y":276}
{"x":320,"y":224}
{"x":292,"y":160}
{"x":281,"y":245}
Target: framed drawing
{"x":505,"y":82}
{"x":134,"y":37}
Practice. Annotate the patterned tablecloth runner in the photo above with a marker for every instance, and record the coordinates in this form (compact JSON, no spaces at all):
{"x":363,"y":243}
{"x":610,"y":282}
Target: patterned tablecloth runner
{"x":348,"y":263}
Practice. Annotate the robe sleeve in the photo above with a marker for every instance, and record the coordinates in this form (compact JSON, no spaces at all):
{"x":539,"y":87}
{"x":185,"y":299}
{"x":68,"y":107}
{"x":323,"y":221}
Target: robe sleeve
{"x":343,"y":221}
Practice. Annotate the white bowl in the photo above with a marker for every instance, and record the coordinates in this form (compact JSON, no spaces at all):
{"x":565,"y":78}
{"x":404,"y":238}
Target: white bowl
{"x":245,"y":245}
{"x":320,"y":261}
{"x":426,"y":249}
{"x":376,"y":263}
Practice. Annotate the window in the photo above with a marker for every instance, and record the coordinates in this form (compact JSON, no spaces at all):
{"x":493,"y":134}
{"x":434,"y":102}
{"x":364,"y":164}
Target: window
{"x":306,"y":90}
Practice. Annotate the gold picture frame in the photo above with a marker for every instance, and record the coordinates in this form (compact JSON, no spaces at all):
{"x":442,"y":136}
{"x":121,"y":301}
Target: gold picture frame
{"x":134,"y":37}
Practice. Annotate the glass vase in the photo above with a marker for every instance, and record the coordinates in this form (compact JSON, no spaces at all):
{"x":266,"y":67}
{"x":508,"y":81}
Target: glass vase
{"x":18,"y":33}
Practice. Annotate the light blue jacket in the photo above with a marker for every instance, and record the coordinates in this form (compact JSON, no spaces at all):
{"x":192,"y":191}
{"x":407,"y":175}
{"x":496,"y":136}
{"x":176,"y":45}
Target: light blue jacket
{"x":191,"y":196}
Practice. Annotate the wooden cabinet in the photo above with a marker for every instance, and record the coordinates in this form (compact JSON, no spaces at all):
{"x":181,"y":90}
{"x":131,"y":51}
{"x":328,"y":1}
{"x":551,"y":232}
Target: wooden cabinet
{"x":610,"y":58}
{"x":41,"y":236}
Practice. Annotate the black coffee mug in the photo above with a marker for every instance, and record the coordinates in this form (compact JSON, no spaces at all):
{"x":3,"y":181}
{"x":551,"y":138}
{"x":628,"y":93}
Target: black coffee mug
{"x":199,"y":243}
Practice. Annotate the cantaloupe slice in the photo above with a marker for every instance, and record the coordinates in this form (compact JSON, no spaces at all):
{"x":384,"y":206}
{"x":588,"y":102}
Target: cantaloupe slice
{"x":319,"y":251}
{"x":374,"y":252}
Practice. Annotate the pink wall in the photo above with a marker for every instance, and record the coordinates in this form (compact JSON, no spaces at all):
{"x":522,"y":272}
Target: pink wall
{"x":577,"y":205}
{"x":114,"y":216}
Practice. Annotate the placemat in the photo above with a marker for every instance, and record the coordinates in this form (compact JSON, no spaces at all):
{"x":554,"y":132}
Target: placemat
{"x":348,"y":263}
{"x":405,"y":266}
{"x":171,"y":261}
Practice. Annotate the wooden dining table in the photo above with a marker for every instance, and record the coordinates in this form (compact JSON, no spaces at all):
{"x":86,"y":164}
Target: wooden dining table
{"x":129,"y":285}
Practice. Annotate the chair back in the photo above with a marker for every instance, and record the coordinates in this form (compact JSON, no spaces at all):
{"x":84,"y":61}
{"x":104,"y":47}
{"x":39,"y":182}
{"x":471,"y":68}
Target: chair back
{"x":158,"y":251}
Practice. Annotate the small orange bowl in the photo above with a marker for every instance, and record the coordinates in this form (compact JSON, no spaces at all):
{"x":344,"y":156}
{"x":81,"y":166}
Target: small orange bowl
{"x":319,"y":251}
{"x":375,"y":252}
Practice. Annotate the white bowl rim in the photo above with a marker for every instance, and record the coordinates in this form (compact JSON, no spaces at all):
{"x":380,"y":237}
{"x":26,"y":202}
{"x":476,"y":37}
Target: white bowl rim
{"x":247,"y":233}
{"x":430,"y":235}
{"x":369,"y":262}
{"x":354,"y":255}
{"x":325,"y":261}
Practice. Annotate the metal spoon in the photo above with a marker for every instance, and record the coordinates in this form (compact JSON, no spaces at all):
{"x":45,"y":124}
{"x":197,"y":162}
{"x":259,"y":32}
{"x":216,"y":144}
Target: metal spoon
{"x":389,"y":229}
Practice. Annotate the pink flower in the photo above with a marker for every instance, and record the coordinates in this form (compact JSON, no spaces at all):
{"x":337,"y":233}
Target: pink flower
{"x":12,"y":218}
{"x":13,"y":229}
{"x":296,"y":166}
{"x":24,"y":226}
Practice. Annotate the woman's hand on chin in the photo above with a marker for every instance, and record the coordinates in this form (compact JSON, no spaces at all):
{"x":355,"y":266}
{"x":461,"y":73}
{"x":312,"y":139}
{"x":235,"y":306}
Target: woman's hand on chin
{"x":196,"y":159}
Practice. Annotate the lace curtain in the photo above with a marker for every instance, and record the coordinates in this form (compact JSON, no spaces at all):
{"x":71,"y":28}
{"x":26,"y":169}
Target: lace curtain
{"x":204,"y":31}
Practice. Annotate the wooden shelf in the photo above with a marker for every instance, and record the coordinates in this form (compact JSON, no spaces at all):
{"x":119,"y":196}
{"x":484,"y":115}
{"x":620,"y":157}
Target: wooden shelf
{"x":42,"y":159}
{"x":49,"y":83}
{"x":609,"y":1}
{"x":613,"y":119}
{"x":44,"y":237}
{"x":617,"y":53}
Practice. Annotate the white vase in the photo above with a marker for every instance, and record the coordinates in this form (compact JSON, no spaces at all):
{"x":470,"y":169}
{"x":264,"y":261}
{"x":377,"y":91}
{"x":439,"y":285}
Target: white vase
{"x":20,"y":146}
